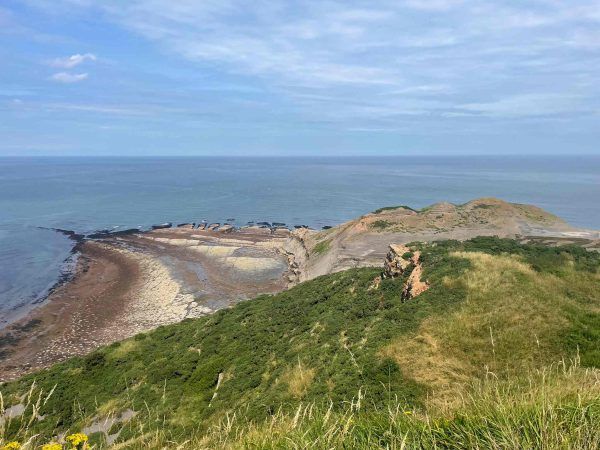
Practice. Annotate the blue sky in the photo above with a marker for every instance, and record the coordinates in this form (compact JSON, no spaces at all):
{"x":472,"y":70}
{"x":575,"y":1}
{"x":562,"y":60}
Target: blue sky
{"x":268,"y":77}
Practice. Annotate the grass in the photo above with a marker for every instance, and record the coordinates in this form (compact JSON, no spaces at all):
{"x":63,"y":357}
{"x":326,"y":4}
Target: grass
{"x":381,"y":224}
{"x":496,"y":414}
{"x":392,"y":208}
{"x":322,"y":247}
{"x":556,"y":407}
{"x":497,"y":316}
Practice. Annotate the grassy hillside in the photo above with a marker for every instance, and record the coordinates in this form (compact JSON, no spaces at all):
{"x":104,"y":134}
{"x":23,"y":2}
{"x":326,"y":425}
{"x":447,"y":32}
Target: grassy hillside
{"x":496,"y":310}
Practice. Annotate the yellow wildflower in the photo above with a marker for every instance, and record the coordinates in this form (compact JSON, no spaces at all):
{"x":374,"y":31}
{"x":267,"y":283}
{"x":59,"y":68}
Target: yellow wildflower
{"x":77,"y":440}
{"x":14,"y":445}
{"x":52,"y":446}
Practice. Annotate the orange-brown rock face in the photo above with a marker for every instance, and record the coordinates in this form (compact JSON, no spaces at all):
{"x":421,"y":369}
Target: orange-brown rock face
{"x":414,"y":285}
{"x":396,"y":264}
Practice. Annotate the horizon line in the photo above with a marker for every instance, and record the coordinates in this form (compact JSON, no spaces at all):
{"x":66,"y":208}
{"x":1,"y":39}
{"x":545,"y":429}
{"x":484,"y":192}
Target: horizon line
{"x":373,"y":155}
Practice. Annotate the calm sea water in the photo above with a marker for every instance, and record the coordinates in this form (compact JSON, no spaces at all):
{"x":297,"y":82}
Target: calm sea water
{"x":87,"y":194}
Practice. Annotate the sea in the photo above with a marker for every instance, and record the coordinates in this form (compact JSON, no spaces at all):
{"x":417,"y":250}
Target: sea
{"x":86,"y":194}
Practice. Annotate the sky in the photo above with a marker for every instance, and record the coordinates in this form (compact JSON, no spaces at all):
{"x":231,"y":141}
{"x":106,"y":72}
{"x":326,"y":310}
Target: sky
{"x":271,"y":77}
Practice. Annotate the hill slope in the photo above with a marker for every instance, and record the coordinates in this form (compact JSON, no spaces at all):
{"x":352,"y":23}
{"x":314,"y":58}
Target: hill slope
{"x":363,"y":241}
{"x":494,"y":306}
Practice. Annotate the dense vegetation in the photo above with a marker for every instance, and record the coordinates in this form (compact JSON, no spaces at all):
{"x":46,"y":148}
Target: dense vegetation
{"x":393,"y":372}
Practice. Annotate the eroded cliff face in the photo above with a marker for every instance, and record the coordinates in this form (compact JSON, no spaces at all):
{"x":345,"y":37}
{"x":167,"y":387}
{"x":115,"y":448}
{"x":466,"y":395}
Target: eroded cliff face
{"x":364,"y":241}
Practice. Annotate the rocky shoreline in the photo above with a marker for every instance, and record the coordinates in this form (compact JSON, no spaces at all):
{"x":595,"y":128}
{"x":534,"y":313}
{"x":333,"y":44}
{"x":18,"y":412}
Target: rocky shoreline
{"x":130,"y":281}
{"x":68,"y":267}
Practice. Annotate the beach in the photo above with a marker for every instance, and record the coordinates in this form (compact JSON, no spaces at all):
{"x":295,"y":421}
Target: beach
{"x":122,"y":286}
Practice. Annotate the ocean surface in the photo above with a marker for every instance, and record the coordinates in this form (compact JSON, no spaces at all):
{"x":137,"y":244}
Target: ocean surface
{"x":88,"y":194}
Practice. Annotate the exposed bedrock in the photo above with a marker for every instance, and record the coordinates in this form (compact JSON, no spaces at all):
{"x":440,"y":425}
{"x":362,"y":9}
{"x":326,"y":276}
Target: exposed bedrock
{"x":400,"y":260}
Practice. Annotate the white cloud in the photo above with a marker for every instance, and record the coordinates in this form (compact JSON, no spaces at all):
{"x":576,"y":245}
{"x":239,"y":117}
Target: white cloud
{"x":433,"y":5}
{"x":426,"y":89}
{"x":103,"y":109}
{"x":65,"y":77}
{"x":528,"y":105}
{"x":69,"y":62}
{"x":381,"y":60}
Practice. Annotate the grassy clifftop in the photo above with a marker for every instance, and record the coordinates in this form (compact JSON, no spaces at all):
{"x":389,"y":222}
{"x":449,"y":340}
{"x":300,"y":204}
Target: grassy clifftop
{"x":495,"y":310}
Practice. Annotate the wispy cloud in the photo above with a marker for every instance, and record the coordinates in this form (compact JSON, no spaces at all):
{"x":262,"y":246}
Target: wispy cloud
{"x":432,"y":5}
{"x":69,"y":62}
{"x":139,"y":110}
{"x":414,"y":66}
{"x":68,"y":78}
{"x":533,"y":104}
{"x":367,"y":46}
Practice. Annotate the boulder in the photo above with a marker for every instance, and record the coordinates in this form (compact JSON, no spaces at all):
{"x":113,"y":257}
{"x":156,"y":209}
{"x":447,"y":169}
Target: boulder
{"x":162,"y":226}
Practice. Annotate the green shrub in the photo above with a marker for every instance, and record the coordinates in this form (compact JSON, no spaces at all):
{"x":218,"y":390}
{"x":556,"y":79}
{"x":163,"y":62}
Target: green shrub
{"x":325,"y":340}
{"x":322,"y":247}
{"x":381,"y":224}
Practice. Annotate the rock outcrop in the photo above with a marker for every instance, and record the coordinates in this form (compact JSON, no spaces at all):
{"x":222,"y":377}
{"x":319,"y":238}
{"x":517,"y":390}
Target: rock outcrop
{"x":395,"y":264}
{"x":398,"y":260}
{"x":162,"y":226}
{"x":414,"y":286}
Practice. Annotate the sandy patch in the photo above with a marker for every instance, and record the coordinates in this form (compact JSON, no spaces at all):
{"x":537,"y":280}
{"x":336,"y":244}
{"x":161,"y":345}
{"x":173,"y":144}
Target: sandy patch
{"x":249,"y":264}
{"x":178,"y":242}
{"x":215,"y":251}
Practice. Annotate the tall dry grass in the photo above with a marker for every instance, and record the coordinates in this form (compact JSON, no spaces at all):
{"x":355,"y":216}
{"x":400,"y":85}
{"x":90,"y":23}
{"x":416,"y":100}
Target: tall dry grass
{"x":554,"y":408}
{"x":557,"y":407}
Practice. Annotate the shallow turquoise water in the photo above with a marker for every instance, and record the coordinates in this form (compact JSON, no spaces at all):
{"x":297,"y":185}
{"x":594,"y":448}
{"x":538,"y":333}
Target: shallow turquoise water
{"x":87,"y":194}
